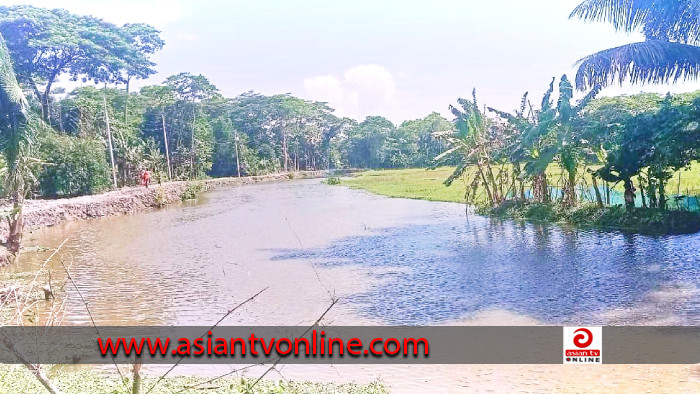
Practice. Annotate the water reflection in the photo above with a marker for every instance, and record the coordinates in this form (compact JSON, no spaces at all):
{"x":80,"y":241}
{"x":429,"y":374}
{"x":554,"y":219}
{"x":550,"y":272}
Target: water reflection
{"x":391,"y":261}
{"x":435,"y":273}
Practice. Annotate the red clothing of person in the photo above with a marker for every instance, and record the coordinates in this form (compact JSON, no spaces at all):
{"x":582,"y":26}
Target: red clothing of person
{"x":146,"y":178}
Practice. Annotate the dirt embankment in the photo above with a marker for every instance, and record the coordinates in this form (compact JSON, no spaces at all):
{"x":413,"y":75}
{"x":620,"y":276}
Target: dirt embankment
{"x":127,"y":200}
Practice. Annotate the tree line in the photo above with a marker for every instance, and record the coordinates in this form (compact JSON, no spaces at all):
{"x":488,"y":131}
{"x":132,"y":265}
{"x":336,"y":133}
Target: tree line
{"x":96,"y":137}
{"x":101,"y":136}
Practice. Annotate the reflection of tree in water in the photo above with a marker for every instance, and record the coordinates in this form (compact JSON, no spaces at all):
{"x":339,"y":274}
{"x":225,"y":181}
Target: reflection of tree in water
{"x":434,"y":273}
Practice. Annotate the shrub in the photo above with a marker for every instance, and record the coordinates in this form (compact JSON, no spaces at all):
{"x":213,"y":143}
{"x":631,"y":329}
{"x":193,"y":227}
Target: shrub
{"x":73,"y":165}
{"x":192,"y":190}
{"x":161,"y":198}
{"x":539,"y":211}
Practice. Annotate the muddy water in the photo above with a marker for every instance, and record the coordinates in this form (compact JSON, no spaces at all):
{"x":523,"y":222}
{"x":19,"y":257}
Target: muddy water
{"x":390,"y":261}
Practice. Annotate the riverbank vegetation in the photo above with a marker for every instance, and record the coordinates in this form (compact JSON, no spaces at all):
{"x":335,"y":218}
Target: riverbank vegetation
{"x":565,"y":160}
{"x":586,"y":146}
{"x":422,"y":184}
{"x":428,"y":184}
{"x":644,"y":138}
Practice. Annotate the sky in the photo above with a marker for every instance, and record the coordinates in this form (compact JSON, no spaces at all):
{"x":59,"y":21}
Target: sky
{"x":399,"y":59}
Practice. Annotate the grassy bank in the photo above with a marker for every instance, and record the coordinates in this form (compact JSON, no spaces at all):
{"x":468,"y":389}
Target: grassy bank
{"x":428,"y":185}
{"x":645,"y":221}
{"x":416,"y":183}
{"x":17,"y":379}
{"x":422,"y":184}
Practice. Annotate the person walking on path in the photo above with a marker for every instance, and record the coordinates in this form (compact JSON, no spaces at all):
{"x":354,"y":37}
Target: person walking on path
{"x":145,"y":177}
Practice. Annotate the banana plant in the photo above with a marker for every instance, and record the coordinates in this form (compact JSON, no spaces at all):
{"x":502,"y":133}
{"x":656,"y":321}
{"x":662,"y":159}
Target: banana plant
{"x":529,"y":150}
{"x":473,"y":141}
{"x":548,"y":135}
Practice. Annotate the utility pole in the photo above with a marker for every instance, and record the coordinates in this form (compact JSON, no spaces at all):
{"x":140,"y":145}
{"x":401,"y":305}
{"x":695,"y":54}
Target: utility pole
{"x":284,"y":148}
{"x":167,"y":152}
{"x":194,"y":124}
{"x":238,"y":163}
{"x":109,"y":142}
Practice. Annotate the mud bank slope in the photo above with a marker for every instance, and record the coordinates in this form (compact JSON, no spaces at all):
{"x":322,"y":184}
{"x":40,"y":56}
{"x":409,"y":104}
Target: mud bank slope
{"x":127,"y":200}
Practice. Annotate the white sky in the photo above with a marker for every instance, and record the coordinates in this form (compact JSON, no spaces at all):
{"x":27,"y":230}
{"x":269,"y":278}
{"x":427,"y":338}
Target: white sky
{"x":401,"y":59}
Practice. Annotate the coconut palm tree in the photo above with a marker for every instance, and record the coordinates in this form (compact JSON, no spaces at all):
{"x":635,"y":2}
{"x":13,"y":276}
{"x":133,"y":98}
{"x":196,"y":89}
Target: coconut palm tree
{"x":670,"y":52}
{"x":15,"y":141}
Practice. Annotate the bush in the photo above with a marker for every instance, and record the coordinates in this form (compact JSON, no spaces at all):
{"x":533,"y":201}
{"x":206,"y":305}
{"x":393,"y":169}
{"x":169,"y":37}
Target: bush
{"x":191,"y":191}
{"x":161,"y":198}
{"x":333,"y":181}
{"x":73,"y":166}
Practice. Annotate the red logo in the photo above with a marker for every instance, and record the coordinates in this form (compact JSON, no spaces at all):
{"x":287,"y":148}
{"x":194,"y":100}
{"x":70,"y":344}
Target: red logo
{"x":587,"y":343}
{"x":584,"y":339}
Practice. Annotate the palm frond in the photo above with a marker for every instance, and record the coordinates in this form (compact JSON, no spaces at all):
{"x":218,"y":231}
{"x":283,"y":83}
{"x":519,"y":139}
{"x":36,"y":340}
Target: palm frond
{"x":650,"y":61}
{"x":626,"y":15}
{"x":677,"y":20}
{"x":13,"y":104}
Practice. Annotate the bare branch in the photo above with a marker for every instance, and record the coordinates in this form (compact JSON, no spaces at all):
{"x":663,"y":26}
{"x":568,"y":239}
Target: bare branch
{"x":75,"y":285}
{"x":203,"y":335}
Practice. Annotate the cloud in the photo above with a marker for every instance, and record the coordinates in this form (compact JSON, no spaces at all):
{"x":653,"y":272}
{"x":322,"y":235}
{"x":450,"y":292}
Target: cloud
{"x":361,"y":91}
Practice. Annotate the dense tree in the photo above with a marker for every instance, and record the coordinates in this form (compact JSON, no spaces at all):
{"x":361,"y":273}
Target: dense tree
{"x":644,"y":136}
{"x":74,"y":165}
{"x":83,"y":114}
{"x":193,"y":92}
{"x":45,"y":44}
{"x":367,"y":144}
{"x":283,"y":131}
{"x":412,"y":143}
{"x":157,"y":100}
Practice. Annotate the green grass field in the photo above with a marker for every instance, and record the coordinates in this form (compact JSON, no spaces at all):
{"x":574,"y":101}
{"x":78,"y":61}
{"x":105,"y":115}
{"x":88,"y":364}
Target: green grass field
{"x":422,"y":184}
{"x":416,"y":183}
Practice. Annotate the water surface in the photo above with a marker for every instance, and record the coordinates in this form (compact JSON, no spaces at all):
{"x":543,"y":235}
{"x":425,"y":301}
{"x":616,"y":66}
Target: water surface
{"x":390,"y":261}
